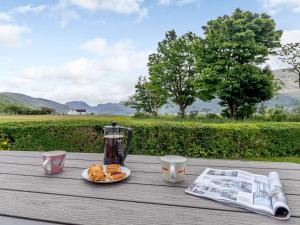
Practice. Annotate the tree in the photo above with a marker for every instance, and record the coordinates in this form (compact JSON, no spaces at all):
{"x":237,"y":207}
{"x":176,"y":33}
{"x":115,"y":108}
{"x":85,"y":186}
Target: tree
{"x":47,"y":110}
{"x":228,"y":60}
{"x":172,"y":69}
{"x":291,"y":55}
{"x":147,"y":98}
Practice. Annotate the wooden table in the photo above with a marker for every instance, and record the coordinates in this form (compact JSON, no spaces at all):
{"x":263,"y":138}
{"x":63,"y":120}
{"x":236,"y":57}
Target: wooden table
{"x":27,"y":196}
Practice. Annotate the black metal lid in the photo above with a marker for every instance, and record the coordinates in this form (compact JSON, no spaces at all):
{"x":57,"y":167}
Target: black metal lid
{"x":113,"y":125}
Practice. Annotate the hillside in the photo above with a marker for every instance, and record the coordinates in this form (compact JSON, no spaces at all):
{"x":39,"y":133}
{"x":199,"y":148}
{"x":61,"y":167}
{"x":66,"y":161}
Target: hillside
{"x":16,"y":98}
{"x":288,"y":96}
{"x":107,"y":108}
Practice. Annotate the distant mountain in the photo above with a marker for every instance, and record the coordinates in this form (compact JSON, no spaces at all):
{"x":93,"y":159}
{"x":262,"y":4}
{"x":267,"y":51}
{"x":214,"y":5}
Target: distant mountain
{"x":288,"y":96}
{"x":107,"y":108}
{"x":16,"y":98}
{"x":198,"y":106}
{"x":78,"y":105}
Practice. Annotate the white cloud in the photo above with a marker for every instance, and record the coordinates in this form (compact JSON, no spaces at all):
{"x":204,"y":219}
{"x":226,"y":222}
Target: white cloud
{"x":109,"y":76}
{"x":11,"y":34}
{"x":23,"y":9}
{"x":5,"y":17}
{"x":177,"y":2}
{"x":67,"y":16}
{"x":273,"y":6}
{"x":5,"y":60}
{"x":98,"y":45}
{"x":29,"y":9}
{"x":288,"y":36}
{"x":118,"y":6}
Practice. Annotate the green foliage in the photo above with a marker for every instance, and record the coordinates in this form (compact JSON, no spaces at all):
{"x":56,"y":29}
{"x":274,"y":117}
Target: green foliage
{"x":159,"y":137}
{"x":147,"y":98}
{"x":141,"y":115}
{"x":228,"y":59}
{"x":172,"y":69}
{"x":290,"y":54}
{"x":296,"y":110}
{"x":18,"y":109}
{"x":6,"y":141}
{"x":277,"y":113}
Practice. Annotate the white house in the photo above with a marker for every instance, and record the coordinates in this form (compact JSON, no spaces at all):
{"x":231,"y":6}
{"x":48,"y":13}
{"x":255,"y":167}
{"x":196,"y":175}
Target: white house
{"x":77,"y":112}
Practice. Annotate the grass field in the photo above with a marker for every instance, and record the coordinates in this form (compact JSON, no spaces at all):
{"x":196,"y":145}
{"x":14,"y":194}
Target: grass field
{"x":172,"y":121}
{"x":126,"y":119}
{"x":28,"y":118}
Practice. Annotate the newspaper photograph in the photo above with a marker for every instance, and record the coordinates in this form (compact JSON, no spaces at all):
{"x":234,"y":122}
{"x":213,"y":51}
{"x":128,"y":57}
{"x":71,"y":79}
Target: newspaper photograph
{"x":258,"y":193}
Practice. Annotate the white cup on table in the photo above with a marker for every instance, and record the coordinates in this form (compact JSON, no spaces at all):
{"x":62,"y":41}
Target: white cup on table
{"x":173,"y":168}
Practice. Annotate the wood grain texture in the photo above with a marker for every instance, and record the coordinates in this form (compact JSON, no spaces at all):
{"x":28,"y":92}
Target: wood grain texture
{"x":163,"y":195}
{"x":148,"y":168}
{"x":86,"y":211}
{"x":144,"y":198}
{"x":155,"y":159}
{"x":291,"y":187}
{"x":5,"y":220}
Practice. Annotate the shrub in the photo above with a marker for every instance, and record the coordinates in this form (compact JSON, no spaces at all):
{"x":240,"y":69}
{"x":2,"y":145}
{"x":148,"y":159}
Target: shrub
{"x":155,"y":137}
{"x":278,"y":114}
{"x":212,"y":116}
{"x":141,"y":115}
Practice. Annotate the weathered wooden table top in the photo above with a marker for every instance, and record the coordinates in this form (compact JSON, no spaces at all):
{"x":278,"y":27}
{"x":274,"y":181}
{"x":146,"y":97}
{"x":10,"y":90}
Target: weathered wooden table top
{"x":27,"y":196}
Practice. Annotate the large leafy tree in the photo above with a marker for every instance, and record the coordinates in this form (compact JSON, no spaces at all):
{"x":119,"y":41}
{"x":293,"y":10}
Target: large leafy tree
{"x":147,"y":98}
{"x":172,"y":69}
{"x":228,"y":59}
{"x":290,"y":54}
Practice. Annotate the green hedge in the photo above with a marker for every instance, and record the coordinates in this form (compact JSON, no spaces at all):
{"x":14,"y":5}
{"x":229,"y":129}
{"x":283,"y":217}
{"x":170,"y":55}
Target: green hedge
{"x":228,"y":140}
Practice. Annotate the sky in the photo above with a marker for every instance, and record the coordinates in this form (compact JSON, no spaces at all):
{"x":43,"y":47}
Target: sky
{"x":94,"y":50}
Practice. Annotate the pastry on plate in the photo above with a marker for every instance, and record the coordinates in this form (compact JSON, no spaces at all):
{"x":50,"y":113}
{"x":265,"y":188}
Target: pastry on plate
{"x":96,"y":173}
{"x":98,"y":177}
{"x":113,"y":168}
{"x":116,"y":175}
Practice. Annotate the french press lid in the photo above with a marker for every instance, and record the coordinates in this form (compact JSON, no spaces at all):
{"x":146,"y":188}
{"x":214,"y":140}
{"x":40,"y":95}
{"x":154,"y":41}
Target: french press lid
{"x":113,"y":131}
{"x":113,"y":125}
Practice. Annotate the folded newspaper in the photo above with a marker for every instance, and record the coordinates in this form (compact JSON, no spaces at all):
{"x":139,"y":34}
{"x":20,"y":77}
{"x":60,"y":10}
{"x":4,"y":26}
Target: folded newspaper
{"x":261,"y":194}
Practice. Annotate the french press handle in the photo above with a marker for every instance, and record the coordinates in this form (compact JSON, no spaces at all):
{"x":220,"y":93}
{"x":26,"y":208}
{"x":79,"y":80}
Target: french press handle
{"x":129,"y":136}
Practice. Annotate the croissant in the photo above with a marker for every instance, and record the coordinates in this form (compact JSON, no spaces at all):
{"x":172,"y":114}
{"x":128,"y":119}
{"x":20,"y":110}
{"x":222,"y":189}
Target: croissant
{"x":96,"y":173}
{"x":113,"y":168}
{"x":116,"y":175}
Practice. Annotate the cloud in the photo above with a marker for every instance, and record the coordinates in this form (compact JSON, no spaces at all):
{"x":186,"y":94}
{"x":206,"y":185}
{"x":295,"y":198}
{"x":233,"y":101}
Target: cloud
{"x":5,"y":60}
{"x":29,"y":9}
{"x":67,"y":16}
{"x":23,"y":9}
{"x":118,"y":6}
{"x":11,"y":34}
{"x":274,"y":6}
{"x":288,"y":36}
{"x":109,"y":75}
{"x":5,"y":17}
{"x":177,"y":2}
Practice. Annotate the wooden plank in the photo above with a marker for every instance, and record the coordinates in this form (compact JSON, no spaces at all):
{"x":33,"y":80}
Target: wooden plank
{"x":291,"y":186}
{"x":138,"y":193}
{"x":78,"y":210}
{"x":6,"y":220}
{"x":148,"y":168}
{"x":156,"y":160}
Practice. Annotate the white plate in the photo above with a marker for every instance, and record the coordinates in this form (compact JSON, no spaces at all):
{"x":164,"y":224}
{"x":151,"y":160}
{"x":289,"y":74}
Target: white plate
{"x":123,"y":169}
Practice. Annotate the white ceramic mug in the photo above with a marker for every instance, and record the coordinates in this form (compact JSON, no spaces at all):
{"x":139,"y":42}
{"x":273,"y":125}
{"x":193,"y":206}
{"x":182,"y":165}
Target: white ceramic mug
{"x":173,"y":168}
{"x":54,"y":161}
